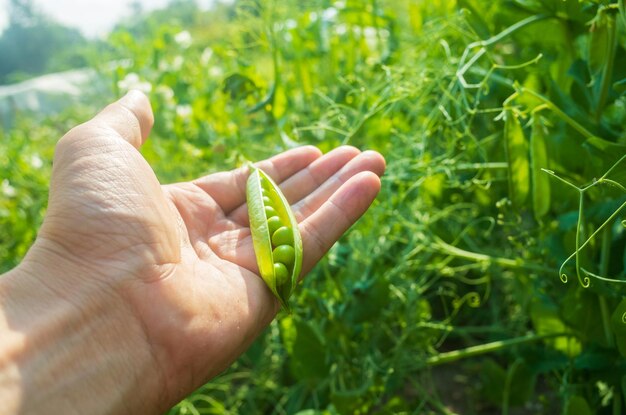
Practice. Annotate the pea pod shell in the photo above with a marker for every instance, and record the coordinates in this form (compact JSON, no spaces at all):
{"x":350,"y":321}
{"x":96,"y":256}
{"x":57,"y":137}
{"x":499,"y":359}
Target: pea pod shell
{"x":516,"y":150}
{"x":538,"y":160}
{"x":261,"y":237}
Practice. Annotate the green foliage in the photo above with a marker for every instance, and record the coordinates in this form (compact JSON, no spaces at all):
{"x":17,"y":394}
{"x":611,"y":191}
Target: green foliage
{"x":504,"y":127}
{"x":25,"y":164}
{"x":33,"y":44}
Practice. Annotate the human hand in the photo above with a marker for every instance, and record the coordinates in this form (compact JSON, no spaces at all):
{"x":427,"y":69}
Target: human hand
{"x":157,"y":284}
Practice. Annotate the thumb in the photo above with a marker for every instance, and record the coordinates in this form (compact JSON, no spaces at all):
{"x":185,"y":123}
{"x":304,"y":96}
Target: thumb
{"x":130,"y":117}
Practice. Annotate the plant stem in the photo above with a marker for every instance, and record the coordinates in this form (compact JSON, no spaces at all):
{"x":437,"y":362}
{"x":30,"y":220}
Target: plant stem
{"x":482,"y":44}
{"x":494,"y":165}
{"x":503,"y":262}
{"x":605,"y":256}
{"x":510,"y":30}
{"x":559,"y":112}
{"x":613,"y":216}
{"x":455,"y":355}
{"x":579,"y":225}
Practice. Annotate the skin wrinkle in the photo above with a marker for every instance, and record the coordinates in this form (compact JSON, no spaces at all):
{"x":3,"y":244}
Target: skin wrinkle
{"x":136,"y":139}
{"x":318,"y":172}
{"x":187,"y":215}
{"x":98,"y":138}
{"x":341,"y":212}
{"x":139,"y":113}
{"x":241,"y":184}
{"x":77,"y":291}
{"x":216,"y":185}
{"x":118,"y":206}
{"x":94,"y":204}
{"x":223,"y":225}
{"x":138,"y":269}
{"x":193,"y":317}
{"x":62,"y":356}
{"x":317,"y":241}
{"x":222,"y":246}
{"x":306,"y":207}
{"x":153,"y":345}
{"x":183,"y":228}
{"x":161,"y":272}
{"x":45,"y":245}
{"x":243,"y":310}
{"x":160,"y":352}
{"x":103,"y":245}
{"x":316,"y":181}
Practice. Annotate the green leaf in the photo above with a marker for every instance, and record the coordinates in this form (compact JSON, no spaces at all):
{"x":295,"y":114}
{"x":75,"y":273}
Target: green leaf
{"x":620,"y":86}
{"x":546,"y":320}
{"x":238,"y":86}
{"x":307,"y":354}
{"x":519,"y":378}
{"x":517,"y":157}
{"x":538,"y":161}
{"x":493,"y":378}
{"x":522,"y":383}
{"x":577,"y":405}
{"x":605,"y":150}
{"x":580,"y":310}
{"x":368,"y":299}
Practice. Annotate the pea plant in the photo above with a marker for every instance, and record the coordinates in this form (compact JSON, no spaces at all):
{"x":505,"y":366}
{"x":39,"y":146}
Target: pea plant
{"x":488,"y":277}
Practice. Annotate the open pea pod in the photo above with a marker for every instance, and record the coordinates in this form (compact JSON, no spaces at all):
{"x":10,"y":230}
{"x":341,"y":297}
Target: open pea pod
{"x":275,"y":235}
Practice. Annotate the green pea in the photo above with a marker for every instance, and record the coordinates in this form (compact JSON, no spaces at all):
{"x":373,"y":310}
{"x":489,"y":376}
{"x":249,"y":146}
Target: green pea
{"x":267,"y":201}
{"x":274,"y":223}
{"x":270,"y":211}
{"x":282,"y":236}
{"x":281,"y":273}
{"x":285,"y":254}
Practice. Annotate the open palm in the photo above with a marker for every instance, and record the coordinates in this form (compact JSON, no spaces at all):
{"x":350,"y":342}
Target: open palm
{"x":177,"y":260}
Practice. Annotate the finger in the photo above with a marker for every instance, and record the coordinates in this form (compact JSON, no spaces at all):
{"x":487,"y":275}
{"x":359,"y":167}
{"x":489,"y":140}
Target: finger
{"x":326,"y":225}
{"x":319,"y":231}
{"x":306,"y":180}
{"x":228,"y":189}
{"x":130,"y":117}
{"x":302,"y":183}
{"x":316,"y":196}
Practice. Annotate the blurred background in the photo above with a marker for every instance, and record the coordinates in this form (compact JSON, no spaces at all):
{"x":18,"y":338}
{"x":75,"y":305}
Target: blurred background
{"x":489,"y":277}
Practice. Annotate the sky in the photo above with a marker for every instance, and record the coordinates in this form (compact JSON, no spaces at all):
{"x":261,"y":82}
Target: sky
{"x":93,"y":17}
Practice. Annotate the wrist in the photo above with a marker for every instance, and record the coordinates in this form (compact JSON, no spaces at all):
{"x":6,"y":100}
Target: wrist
{"x":64,"y":337}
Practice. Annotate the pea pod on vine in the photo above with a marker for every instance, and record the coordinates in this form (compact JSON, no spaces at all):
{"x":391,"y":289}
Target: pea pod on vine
{"x":275,"y":235}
